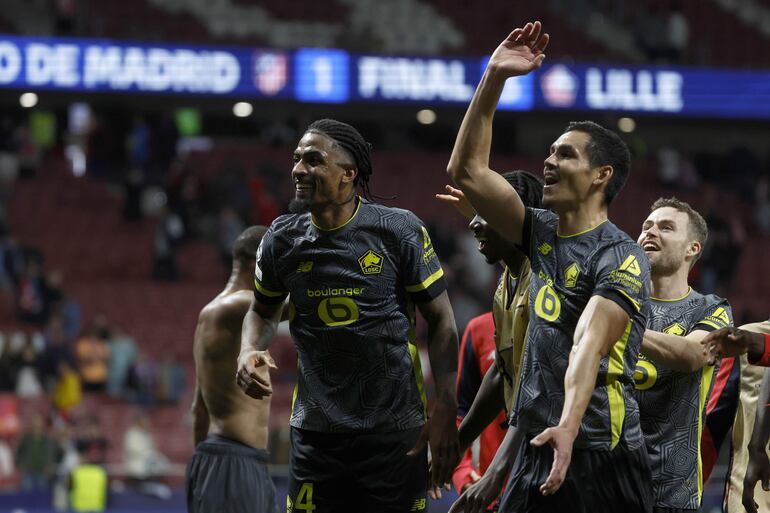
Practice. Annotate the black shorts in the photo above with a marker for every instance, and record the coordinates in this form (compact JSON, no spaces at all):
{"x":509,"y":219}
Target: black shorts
{"x":225,"y":476}
{"x":371,"y":473}
{"x":674,"y":510}
{"x":597,"y":481}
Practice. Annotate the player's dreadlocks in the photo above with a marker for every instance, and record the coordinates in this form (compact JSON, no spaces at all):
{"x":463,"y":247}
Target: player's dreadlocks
{"x":528,"y":186}
{"x":352,"y":141}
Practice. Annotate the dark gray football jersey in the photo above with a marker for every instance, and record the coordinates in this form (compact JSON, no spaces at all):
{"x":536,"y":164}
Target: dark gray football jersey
{"x":566,"y":273}
{"x":353,"y":292}
{"x":672,"y":404}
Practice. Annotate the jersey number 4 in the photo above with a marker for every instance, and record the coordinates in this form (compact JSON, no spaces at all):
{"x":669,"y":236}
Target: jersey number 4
{"x":303,"y":501}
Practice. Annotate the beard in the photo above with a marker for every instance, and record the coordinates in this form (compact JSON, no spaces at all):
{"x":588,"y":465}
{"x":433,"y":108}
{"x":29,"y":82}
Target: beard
{"x":299,"y":206}
{"x":665,"y":266}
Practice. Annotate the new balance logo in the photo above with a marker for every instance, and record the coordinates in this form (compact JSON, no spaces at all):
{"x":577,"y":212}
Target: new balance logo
{"x":419,"y":505}
{"x":304,"y":267}
{"x":545,"y":248}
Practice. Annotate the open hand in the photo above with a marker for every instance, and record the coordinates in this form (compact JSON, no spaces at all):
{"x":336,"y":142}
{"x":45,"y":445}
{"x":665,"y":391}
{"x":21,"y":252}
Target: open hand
{"x":561,"y":439}
{"x":457,"y":199}
{"x":440,"y":431}
{"x":727,"y":342}
{"x":521,"y":52}
{"x":758,"y":469}
{"x":253,"y":380}
{"x":479,"y":495}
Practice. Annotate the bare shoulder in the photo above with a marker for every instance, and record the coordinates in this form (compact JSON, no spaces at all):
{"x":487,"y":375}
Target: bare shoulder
{"x":226,"y":309}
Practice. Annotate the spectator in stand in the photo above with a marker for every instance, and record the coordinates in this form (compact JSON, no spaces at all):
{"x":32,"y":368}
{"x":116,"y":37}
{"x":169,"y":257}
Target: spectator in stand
{"x":678,"y":33}
{"x":229,"y":227}
{"x":7,"y":468}
{"x":66,"y":458}
{"x":31,"y":294}
{"x":67,"y":392}
{"x":11,"y":261}
{"x":145,"y":379}
{"x":123,"y":353}
{"x":723,"y":251}
{"x":143,"y":462}
{"x":168,"y":233}
{"x":650,"y":31}
{"x":34,"y":456}
{"x":132,"y":201}
{"x":89,"y":486}
{"x":93,"y":443}
{"x":8,"y":367}
{"x":28,"y":382}
{"x":171,"y":379}
{"x":264,"y":206}
{"x":57,"y":351}
{"x":92,"y":355}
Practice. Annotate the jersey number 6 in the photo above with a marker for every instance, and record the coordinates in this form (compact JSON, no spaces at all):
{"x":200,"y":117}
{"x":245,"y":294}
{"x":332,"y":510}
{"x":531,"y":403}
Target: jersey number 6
{"x":547,"y":304}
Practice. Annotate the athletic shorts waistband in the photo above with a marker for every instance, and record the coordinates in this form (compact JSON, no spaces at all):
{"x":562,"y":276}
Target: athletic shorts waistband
{"x":218,"y":444}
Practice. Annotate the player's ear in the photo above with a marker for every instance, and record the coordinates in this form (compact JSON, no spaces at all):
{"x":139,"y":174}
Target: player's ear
{"x":349,"y":174}
{"x":694,"y":249}
{"x":603,"y":175}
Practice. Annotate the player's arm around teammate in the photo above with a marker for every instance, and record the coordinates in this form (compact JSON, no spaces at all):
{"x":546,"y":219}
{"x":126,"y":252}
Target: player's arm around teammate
{"x":679,"y":353}
{"x":487,"y":191}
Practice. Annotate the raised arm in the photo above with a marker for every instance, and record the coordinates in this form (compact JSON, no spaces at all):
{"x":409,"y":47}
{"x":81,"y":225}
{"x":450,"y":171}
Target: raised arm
{"x":259,"y":326}
{"x":441,"y":429}
{"x":683,"y":354}
{"x":600,"y":326}
{"x":519,"y":54}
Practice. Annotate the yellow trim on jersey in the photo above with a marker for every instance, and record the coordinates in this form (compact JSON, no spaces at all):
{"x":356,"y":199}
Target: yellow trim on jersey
{"x":265,"y":292}
{"x":633,"y":301}
{"x":707,"y":375}
{"x":712,"y":324}
{"x":580,"y":233}
{"x":427,"y":282}
{"x":355,"y":213}
{"x":689,"y":291}
{"x":417,"y":368}
{"x":617,"y":400}
{"x":415,"y":356}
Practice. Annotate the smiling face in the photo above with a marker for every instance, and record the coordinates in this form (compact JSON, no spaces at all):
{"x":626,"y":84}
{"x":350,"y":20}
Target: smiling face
{"x":568,"y":174}
{"x":667,"y":241}
{"x":323,"y":173}
{"x":492,"y":245}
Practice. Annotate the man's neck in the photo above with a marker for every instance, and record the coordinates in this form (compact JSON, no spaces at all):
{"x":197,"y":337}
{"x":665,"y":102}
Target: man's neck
{"x":332,"y":216}
{"x":514,"y":260}
{"x":580,"y":219}
{"x":670,"y":286}
{"x":240,"y":279}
